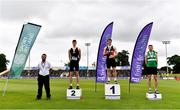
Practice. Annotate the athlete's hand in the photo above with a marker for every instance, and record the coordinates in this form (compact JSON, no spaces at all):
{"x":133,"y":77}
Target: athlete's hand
{"x":106,"y":53}
{"x":111,"y":56}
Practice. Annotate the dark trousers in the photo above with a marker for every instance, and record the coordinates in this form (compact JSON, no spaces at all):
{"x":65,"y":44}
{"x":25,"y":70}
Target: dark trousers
{"x":43,"y":80}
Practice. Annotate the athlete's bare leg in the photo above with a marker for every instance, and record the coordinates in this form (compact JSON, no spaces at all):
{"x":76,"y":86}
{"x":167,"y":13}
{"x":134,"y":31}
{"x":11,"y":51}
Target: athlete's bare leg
{"x":115,"y":75}
{"x":109,"y":74}
{"x":70,"y":78}
{"x":156,"y":83}
{"x":149,"y":82}
{"x":77,"y":78}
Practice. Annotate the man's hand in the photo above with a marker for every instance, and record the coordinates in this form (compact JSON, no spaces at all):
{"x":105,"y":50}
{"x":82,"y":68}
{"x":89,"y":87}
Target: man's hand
{"x":106,"y":53}
{"x":69,"y":55}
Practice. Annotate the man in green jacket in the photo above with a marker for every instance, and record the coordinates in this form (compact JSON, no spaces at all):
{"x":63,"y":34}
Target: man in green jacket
{"x":151,"y":61}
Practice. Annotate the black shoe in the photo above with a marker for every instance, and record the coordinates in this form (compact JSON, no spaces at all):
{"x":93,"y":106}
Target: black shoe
{"x":70,"y":87}
{"x":48,"y":98}
{"x":37,"y":98}
{"x":107,"y":82}
{"x":115,"y":82}
{"x":150,"y":91}
{"x":156,"y":92}
{"x":77,"y":87}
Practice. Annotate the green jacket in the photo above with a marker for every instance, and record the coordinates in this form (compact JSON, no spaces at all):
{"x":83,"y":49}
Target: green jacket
{"x":151,"y":59}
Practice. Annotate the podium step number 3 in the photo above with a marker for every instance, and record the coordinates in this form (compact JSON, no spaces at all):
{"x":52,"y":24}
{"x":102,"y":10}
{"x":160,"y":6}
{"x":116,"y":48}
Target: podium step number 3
{"x":153,"y":96}
{"x":73,"y":93}
{"x":112,"y":91}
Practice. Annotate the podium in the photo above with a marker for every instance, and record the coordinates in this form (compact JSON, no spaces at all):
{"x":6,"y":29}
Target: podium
{"x":73,"y":93}
{"x":112,"y":91}
{"x":153,"y":96}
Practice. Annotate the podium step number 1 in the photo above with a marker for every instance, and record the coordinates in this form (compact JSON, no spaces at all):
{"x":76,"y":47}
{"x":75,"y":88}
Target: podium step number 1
{"x":73,"y":93}
{"x":112,"y":91}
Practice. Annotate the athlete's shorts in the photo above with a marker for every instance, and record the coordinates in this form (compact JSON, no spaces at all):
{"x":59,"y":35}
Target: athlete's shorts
{"x":74,"y":66}
{"x":151,"y":70}
{"x":110,"y":62}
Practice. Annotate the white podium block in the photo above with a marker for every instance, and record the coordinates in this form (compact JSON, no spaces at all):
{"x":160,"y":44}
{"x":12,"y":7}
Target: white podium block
{"x":112,"y":91}
{"x":73,"y":93}
{"x":153,"y":96}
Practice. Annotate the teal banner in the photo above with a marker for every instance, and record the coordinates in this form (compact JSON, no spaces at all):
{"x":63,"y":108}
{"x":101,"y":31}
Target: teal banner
{"x":27,"y":38}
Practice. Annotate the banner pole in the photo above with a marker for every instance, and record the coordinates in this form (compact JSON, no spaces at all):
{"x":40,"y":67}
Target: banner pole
{"x":5,"y":87}
{"x":95,"y":86}
{"x":129,"y":84}
{"x":95,"y":83}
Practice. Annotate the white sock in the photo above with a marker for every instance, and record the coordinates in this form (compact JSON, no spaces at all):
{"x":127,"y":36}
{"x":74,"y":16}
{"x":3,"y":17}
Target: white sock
{"x":70,"y":84}
{"x":77,"y":84}
{"x":115,"y":79}
{"x":108,"y":78}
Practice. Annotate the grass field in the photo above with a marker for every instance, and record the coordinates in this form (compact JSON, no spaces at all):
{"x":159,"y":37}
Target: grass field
{"x":21,"y":95}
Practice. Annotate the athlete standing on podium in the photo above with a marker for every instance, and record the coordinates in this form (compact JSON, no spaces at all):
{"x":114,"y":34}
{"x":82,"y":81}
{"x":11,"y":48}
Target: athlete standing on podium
{"x":151,"y":64}
{"x":110,"y":52}
{"x":74,"y":58}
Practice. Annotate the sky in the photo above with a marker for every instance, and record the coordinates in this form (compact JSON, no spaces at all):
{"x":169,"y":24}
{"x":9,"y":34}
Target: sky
{"x":84,"y":20}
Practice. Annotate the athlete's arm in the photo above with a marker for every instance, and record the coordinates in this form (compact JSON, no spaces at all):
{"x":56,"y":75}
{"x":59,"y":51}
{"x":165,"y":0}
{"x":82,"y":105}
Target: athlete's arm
{"x":79,"y":54}
{"x":50,"y":67}
{"x":146,"y":59}
{"x":105,"y":52}
{"x":69,"y":55}
{"x":156,"y":57}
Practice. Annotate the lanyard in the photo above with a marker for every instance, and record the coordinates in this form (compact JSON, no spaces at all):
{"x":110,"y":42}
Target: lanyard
{"x":151,"y":54}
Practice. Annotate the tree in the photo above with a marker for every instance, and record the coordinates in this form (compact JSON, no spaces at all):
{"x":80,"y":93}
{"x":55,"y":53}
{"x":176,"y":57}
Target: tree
{"x":123,"y":58}
{"x":164,"y":68}
{"x":67,"y":64}
{"x":3,"y":62}
{"x":175,"y":61}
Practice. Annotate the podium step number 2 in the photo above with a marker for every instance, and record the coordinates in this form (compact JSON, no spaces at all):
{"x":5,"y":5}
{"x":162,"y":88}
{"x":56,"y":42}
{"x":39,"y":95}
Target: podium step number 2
{"x":112,"y":91}
{"x":73,"y":93}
